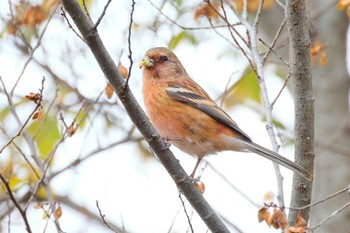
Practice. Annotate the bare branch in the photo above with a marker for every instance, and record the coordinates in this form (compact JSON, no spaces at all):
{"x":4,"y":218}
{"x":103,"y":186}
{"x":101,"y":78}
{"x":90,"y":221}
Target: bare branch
{"x":280,"y":92}
{"x":185,"y":210}
{"x":31,"y":54}
{"x":63,"y":13}
{"x":139,"y":118}
{"x":102,"y":14}
{"x":38,"y":104}
{"x":104,"y":218}
{"x":346,"y":205}
{"x":86,"y":10}
{"x":346,"y":189}
{"x":13,"y":199}
{"x":129,"y":42}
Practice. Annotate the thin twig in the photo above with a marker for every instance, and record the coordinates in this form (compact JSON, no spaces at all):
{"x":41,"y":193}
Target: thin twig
{"x":31,"y":54}
{"x":257,"y":16}
{"x":346,"y":189}
{"x":23,"y":155}
{"x":253,"y":33}
{"x":185,"y":210}
{"x":346,"y":205}
{"x":281,"y":4}
{"x":224,"y":17}
{"x":280,"y":92}
{"x":129,"y":42}
{"x":63,"y":13}
{"x":30,"y":115}
{"x":189,"y":28}
{"x":94,"y":152}
{"x":103,"y":216}
{"x":278,"y":33}
{"x":102,"y":14}
{"x":13,"y":199}
{"x":86,"y":10}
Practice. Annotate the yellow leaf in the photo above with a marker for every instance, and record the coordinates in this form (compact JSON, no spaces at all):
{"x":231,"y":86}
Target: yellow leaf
{"x":245,"y":88}
{"x":47,"y":134}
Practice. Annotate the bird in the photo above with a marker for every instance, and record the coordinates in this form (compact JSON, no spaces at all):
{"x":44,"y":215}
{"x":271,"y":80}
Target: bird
{"x":186,"y":116}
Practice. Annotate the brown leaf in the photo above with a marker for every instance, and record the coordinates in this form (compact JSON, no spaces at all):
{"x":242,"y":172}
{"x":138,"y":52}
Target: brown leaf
{"x":109,"y":91}
{"x":264,"y":215}
{"x":342,"y":4}
{"x":253,"y":5}
{"x":34,"y":15}
{"x":200,"y":186}
{"x":278,"y":220}
{"x":35,"y":116}
{"x":296,"y":230}
{"x":11,"y":27}
{"x":35,"y":97}
{"x":318,"y":51}
{"x":58,"y":212}
{"x":39,"y":114}
{"x":123,"y":71}
{"x":207,"y":10}
{"x":300,"y":221}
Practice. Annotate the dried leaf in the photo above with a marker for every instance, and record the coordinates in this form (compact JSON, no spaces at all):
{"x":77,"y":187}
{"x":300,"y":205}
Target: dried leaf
{"x":296,"y":230}
{"x":318,"y":50}
{"x":206,"y":10}
{"x":264,"y":215}
{"x":11,"y":28}
{"x":58,"y":212}
{"x":278,"y":220}
{"x":323,"y":59}
{"x":35,"y":97}
{"x":200,"y":186}
{"x":342,"y":4}
{"x":35,"y":116}
{"x":109,"y":91}
{"x":253,"y":5}
{"x":300,"y":221}
{"x":34,"y":15}
{"x":123,"y":71}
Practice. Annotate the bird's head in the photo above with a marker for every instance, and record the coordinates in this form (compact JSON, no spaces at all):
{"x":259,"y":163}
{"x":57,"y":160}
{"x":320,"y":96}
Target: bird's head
{"x":161,"y":63}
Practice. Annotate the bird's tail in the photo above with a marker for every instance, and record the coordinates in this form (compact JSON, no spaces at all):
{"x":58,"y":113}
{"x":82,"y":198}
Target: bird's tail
{"x":273,"y":156}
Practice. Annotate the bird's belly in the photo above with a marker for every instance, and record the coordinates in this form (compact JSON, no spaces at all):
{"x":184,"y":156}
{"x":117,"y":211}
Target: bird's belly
{"x":191,"y":131}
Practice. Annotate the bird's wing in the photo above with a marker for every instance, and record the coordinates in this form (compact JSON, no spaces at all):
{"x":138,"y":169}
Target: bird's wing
{"x":195,"y":96}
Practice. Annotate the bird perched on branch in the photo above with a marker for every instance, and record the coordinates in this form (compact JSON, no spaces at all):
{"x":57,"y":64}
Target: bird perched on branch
{"x":185,"y":115}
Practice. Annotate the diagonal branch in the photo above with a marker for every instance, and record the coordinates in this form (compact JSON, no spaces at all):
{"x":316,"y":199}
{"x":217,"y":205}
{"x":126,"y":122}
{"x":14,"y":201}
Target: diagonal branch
{"x":137,"y":115}
{"x":13,"y":199}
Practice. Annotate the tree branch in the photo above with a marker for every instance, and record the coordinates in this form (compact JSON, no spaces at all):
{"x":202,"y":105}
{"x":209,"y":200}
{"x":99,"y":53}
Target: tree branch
{"x":300,"y":68}
{"x":137,"y":115}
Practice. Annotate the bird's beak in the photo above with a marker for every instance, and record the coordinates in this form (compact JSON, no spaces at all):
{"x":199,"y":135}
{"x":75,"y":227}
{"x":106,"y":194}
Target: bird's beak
{"x":146,"y":62}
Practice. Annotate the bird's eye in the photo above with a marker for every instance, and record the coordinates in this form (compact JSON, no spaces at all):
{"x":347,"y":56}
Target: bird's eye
{"x":164,"y":58}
